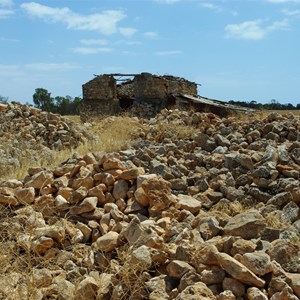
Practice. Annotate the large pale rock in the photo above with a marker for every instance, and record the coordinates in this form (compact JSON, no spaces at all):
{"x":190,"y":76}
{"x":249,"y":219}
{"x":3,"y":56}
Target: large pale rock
{"x":238,"y":270}
{"x":54,"y":231}
{"x":41,"y":245}
{"x":140,"y":259}
{"x":178,"y":268}
{"x":141,"y":197}
{"x":40,"y":180}
{"x":65,"y":289}
{"x":158,"y":192}
{"x":105,"y":286}
{"x":25,"y":195}
{"x":113,"y":163}
{"x":41,"y":277}
{"x":198,"y":290}
{"x":87,"y":205}
{"x":206,"y":254}
{"x":189,"y":203}
{"x":258,"y":262}
{"x":132,"y":173}
{"x":247,"y":225}
{"x":295,"y":282}
{"x":231,"y":284}
{"x":285,"y":294}
{"x":208,"y":227}
{"x":120,"y":189}
{"x":212,"y":275}
{"x":86,"y":289}
{"x":189,"y":279}
{"x":10,"y":200}
{"x":226,"y":295}
{"x":108,"y":242}
{"x":286,"y":254}
{"x":254,"y":293}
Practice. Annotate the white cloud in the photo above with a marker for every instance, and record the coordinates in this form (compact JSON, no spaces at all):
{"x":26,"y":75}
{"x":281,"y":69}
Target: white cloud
{"x":150,"y":34}
{"x":253,"y":30}
{"x":294,"y":12}
{"x":5,"y":9}
{"x":167,"y":1}
{"x":6,"y":3}
{"x":284,"y":1}
{"x":3,"y":39}
{"x":127,"y":31}
{"x":168,"y":52}
{"x":50,"y":66}
{"x":9,"y":70}
{"x":90,"y":42}
{"x":211,"y":6}
{"x":90,"y":50}
{"x":105,"y":22}
{"x":5,"y":13}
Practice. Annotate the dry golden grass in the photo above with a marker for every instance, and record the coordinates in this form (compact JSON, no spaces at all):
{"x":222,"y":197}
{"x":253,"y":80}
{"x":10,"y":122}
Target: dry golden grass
{"x":229,"y":208}
{"x":109,"y":134}
{"x":261,"y":114}
{"x":274,"y":220}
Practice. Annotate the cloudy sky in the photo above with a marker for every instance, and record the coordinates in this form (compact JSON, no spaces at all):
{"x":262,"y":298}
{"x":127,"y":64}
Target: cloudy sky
{"x":237,"y":49}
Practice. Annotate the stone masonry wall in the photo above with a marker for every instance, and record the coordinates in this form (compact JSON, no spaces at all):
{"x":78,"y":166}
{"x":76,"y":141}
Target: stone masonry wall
{"x":99,"y":97}
{"x":180,"y":86}
{"x":149,"y":88}
{"x":102,"y":96}
{"x":100,"y":88}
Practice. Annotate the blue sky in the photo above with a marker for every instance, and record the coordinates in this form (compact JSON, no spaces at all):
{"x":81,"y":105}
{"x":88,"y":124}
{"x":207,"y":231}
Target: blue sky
{"x":238,"y":50}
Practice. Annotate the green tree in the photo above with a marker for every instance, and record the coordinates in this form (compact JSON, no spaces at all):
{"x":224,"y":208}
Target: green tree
{"x":3,"y":99}
{"x":42,"y":99}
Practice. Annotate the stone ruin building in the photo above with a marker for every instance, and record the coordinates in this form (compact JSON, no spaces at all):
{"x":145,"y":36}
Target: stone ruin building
{"x":144,"y":94}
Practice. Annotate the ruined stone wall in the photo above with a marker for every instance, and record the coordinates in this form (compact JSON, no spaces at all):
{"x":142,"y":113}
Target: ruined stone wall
{"x":99,"y":98}
{"x":180,"y":86}
{"x":145,"y":94}
{"x":149,"y":88}
{"x":100,"y":88}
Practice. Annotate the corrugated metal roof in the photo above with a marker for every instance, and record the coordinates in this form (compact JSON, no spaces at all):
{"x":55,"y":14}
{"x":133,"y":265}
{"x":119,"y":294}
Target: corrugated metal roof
{"x":214,"y":102}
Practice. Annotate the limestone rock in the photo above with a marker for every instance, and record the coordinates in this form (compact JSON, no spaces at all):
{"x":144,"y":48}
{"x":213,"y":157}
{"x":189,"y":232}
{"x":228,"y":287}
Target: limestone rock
{"x":246,"y":225}
{"x":258,"y":262}
{"x":86,"y":289}
{"x":177,"y":268}
{"x":196,"y":291}
{"x":254,"y":293}
{"x":108,"y":242}
{"x":189,"y":203}
{"x":238,"y":271}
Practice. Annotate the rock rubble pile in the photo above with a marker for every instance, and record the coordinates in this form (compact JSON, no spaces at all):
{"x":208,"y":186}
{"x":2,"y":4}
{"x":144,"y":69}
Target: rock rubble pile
{"x":24,"y":129}
{"x":210,"y":215}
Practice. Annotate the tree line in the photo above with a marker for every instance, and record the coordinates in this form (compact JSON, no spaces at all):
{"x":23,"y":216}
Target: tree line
{"x":71,"y":106}
{"x":272,"y":105}
{"x":61,"y":105}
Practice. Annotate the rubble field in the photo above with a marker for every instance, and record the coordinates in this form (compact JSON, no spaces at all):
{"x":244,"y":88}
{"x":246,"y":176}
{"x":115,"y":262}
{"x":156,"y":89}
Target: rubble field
{"x":198,"y":207}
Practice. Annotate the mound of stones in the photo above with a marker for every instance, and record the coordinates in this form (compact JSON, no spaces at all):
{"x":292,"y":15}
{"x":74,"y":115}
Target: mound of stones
{"x":214,"y":215}
{"x":24,"y":128}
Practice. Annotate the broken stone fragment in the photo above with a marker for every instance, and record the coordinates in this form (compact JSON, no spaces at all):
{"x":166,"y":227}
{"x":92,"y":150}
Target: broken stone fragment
{"x":247,"y":225}
{"x":86,"y":289}
{"x":177,"y":268}
{"x":40,"y":180}
{"x":108,"y":242}
{"x":25,"y":195}
{"x":87,"y":205}
{"x":238,"y":270}
{"x":189,"y":203}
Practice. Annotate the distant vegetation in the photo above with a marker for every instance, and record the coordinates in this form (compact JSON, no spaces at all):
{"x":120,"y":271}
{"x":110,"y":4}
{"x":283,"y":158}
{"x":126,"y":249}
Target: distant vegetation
{"x":272,"y":105}
{"x":62,"y":105}
{"x":71,"y":106}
